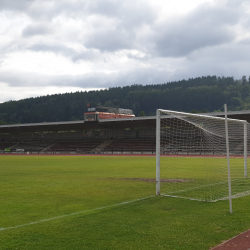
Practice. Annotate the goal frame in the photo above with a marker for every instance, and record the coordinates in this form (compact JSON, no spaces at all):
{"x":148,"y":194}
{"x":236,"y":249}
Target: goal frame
{"x":158,"y":143}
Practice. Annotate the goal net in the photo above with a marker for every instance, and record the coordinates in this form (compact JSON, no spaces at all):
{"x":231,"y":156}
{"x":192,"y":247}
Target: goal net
{"x":192,"y":156}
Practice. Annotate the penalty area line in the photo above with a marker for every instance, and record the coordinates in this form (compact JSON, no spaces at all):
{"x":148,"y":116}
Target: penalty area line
{"x":76,"y":213}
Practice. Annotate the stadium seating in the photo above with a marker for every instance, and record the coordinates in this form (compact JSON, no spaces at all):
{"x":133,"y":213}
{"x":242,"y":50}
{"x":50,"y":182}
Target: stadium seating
{"x":72,"y":146}
{"x":117,"y":146}
{"x":137,"y":145}
{"x":4,"y":145}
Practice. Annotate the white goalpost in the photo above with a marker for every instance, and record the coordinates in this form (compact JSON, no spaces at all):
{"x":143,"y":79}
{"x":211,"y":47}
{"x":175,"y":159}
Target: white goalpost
{"x":206,"y":156}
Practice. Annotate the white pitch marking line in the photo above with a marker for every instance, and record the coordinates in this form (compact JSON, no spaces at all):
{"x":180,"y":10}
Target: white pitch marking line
{"x":76,"y":213}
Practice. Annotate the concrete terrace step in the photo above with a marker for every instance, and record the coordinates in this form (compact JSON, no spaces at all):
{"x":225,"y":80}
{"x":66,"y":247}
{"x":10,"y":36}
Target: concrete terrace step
{"x":44,"y":149}
{"x":101,"y":146}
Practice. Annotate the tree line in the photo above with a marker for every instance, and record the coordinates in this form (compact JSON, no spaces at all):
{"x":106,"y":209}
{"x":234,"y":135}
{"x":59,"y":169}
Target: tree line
{"x":201,"y":94}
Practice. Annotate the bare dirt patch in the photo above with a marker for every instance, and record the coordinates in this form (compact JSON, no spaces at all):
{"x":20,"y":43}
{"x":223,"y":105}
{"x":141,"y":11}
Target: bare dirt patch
{"x":162,"y":180}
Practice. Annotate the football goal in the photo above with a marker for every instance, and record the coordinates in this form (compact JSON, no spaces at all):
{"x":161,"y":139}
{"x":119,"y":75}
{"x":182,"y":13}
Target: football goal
{"x":206,"y":156}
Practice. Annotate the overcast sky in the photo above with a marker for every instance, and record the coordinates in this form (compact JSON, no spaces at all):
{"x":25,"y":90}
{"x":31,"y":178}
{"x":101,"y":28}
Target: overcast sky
{"x":60,"y":46}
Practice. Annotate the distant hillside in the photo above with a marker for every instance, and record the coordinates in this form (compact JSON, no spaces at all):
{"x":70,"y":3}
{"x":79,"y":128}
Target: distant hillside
{"x":193,"y":95}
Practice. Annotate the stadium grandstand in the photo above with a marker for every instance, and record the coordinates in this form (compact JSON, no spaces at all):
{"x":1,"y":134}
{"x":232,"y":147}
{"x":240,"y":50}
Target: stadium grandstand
{"x":123,"y":134}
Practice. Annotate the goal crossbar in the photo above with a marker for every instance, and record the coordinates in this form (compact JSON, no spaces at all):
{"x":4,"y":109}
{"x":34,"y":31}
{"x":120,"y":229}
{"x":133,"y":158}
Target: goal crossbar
{"x":202,"y":116}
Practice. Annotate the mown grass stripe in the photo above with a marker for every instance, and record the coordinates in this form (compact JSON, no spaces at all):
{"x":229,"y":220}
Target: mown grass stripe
{"x":76,"y":213}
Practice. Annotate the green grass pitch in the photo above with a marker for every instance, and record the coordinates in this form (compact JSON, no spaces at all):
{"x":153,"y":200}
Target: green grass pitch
{"x":79,"y":202}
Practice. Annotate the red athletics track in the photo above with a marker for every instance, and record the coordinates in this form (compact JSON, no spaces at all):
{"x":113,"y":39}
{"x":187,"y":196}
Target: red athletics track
{"x":148,"y":155}
{"x":136,"y":155}
{"x":239,"y":242}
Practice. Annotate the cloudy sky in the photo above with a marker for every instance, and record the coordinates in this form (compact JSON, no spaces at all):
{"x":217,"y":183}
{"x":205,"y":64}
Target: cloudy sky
{"x":60,"y":46}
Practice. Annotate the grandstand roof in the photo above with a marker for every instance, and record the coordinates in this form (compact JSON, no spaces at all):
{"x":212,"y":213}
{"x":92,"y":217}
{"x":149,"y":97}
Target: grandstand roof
{"x":240,"y":115}
{"x":133,"y":122}
{"x":147,"y":121}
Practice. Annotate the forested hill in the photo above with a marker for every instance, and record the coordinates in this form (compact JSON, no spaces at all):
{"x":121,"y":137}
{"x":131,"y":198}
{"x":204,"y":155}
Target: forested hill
{"x":199,"y":94}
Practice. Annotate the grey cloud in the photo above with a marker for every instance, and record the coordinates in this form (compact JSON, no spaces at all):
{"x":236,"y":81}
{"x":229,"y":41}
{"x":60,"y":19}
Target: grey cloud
{"x":88,"y":55}
{"x":229,"y":60}
{"x":15,"y":4}
{"x":36,"y":9}
{"x":209,"y":62}
{"x":144,"y":76}
{"x":227,"y":55}
{"x":179,"y":42}
{"x":110,"y":40}
{"x":109,"y":7}
{"x":128,"y":12}
{"x":202,"y":28}
{"x":245,"y":20}
{"x":58,"y":49}
{"x":122,"y":78}
{"x":74,"y":55}
{"x":128,"y":18}
{"x":138,"y":57}
{"x":202,"y":42}
{"x":11,"y":47}
{"x":20,"y":79}
{"x":245,"y":41}
{"x":236,"y":3}
{"x":38,"y":29}
{"x":89,"y":80}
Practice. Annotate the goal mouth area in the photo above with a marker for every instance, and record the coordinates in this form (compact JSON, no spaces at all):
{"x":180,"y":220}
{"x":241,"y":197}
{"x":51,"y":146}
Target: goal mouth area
{"x":203,"y":145}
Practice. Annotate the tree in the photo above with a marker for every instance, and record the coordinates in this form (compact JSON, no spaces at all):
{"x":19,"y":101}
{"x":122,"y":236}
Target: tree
{"x":142,"y":113}
{"x":244,"y":80}
{"x":196,"y":94}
